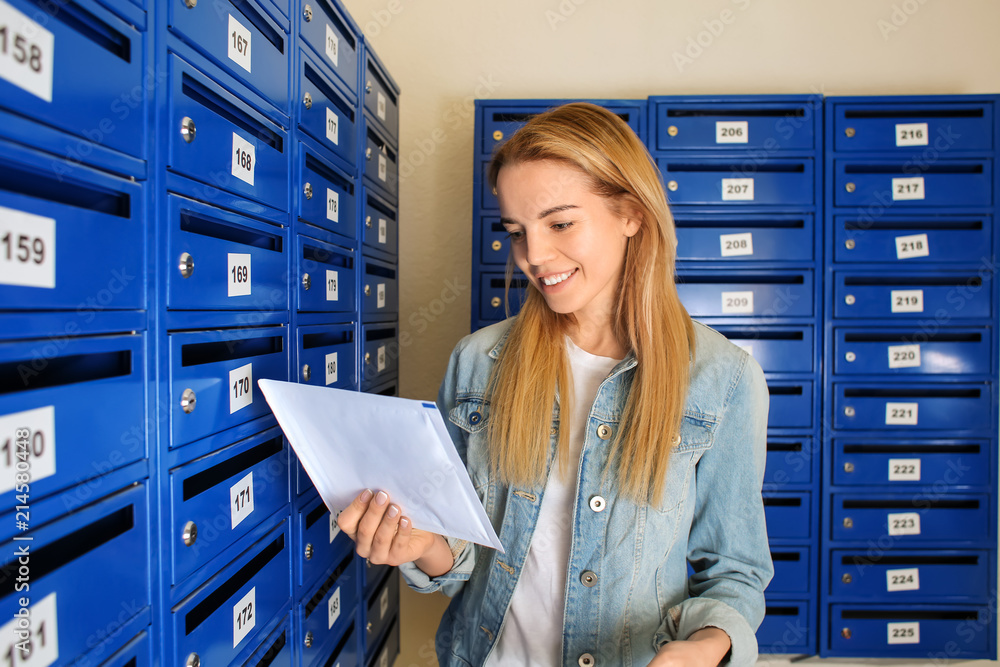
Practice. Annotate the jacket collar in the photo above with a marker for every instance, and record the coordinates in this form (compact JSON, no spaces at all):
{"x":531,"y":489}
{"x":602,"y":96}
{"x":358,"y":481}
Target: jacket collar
{"x":625,"y":364}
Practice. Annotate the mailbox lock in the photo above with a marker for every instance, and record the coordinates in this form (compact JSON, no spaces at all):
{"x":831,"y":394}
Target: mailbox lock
{"x":368,"y":153}
{"x":309,"y":639}
{"x":849,"y":411}
{"x":495,"y":302}
{"x":187,"y":129}
{"x":309,"y":551}
{"x":849,"y":299}
{"x":308,"y":190}
{"x":368,"y":357}
{"x":672,"y":130}
{"x":368,"y":221}
{"x":306,"y":281}
{"x":849,"y":244}
{"x":306,"y":372}
{"x":672,"y":186}
{"x":186,"y":265}
{"x":307,"y":100}
{"x":368,"y":290}
{"x":850,"y":356}
{"x":849,"y":132}
{"x":368,"y":628}
{"x":187,"y":401}
{"x":846,"y":633}
{"x":192,"y":661}
{"x":848,"y":467}
{"x":368,"y":86}
{"x":307,"y":13}
{"x":496,"y":245}
{"x":847,"y":578}
{"x":190,"y":533}
{"x":497,"y":135}
{"x":848,"y":522}
{"x":191,"y":4}
{"x":850,"y":187}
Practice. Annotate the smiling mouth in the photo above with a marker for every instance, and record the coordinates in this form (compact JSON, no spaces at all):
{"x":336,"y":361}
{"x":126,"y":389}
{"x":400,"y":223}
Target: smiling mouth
{"x":557,"y":278}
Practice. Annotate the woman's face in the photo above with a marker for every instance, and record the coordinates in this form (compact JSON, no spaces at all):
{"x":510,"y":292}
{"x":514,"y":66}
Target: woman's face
{"x":566,"y":239}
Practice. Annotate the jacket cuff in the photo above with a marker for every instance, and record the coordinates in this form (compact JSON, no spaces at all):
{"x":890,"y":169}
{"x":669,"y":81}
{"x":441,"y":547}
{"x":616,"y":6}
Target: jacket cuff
{"x":451,"y":581}
{"x":694,"y":614}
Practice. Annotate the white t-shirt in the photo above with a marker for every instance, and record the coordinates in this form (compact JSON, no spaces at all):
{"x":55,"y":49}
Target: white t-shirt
{"x":532,"y":632}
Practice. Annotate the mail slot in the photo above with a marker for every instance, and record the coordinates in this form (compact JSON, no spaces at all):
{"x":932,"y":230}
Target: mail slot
{"x":239,"y":37}
{"x":788,"y":515}
{"x":327,"y":275}
{"x":52,"y":214}
{"x":381,"y":99}
{"x":323,"y":543}
{"x":912,"y":240}
{"x":786,"y":627}
{"x":328,"y":355}
{"x":302,"y":481}
{"x":373,"y":575}
{"x":379,"y":353}
{"x":328,"y":609}
{"x":72,"y":43}
{"x":384,"y":654}
{"x":344,"y":652}
{"x":772,"y":293}
{"x":138,"y":652}
{"x":275,"y":650}
{"x":221,"y":141}
{"x":880,"y":184}
{"x":213,"y":378}
{"x":927,"y":517}
{"x":494,"y":242}
{"x":326,"y":113}
{"x":219,"y":498}
{"x":689,"y":123}
{"x":81,"y":404}
{"x":910,"y":576}
{"x":333,"y":36}
{"x":498,"y":123}
{"x":739,"y":181}
{"x":792,"y":571}
{"x":910,"y":631}
{"x":942,"y":295}
{"x":736,"y":238}
{"x":381,"y":226}
{"x":388,"y":388}
{"x":951,"y":407}
{"x":905,"y":462}
{"x":927,"y":128}
{"x":383,"y":608}
{"x":381,"y":162}
{"x":913,"y":351}
{"x":789,"y":461}
{"x":228,"y":613}
{"x":791,"y":403}
{"x":69,"y":599}
{"x":493,"y":295}
{"x":379,"y":288}
{"x":778,"y":349}
{"x":327,"y":196}
{"x":221,"y":260}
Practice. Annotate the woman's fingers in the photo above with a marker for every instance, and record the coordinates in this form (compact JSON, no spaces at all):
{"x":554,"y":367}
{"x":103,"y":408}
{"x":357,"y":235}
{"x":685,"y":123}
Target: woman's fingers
{"x":350,"y":517}
{"x":370,"y":522}
{"x":385,"y":534}
{"x":400,"y":551}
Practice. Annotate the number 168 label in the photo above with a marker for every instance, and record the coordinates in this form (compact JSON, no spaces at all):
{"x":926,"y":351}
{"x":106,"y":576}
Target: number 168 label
{"x":244,"y":159}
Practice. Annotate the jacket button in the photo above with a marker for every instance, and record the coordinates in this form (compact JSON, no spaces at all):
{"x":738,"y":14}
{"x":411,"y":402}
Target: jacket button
{"x":603,"y":431}
{"x":588,"y":578}
{"x":475,"y":418}
{"x":586,"y":660}
{"x":676,"y":440}
{"x":597,"y":503}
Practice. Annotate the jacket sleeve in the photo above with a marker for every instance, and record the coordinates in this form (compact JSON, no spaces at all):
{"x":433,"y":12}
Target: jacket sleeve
{"x":727,"y":546}
{"x":453,"y":581}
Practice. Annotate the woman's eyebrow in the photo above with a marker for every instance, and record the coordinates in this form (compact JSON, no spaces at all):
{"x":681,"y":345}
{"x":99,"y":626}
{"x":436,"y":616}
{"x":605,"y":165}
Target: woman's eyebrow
{"x":556,"y":209}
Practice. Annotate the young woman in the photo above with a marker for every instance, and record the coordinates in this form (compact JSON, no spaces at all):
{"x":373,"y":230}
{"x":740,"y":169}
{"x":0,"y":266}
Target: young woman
{"x":617,"y":446}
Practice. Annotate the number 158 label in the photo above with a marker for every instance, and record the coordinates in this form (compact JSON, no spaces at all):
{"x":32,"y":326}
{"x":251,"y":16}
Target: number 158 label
{"x":26,"y":53}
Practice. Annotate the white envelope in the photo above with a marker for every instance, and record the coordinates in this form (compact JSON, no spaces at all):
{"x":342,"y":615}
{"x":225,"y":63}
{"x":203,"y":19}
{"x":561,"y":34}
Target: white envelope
{"x":349,"y":441}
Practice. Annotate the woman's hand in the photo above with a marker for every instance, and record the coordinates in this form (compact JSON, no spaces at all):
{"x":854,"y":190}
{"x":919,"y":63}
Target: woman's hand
{"x":384,"y":536}
{"x":704,"y":648}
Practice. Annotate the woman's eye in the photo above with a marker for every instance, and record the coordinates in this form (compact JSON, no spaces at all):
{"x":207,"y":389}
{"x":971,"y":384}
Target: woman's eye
{"x":560,"y":226}
{"x":515,"y":236}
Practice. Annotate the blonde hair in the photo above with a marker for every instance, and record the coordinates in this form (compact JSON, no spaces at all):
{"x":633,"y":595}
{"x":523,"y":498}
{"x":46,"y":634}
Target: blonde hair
{"x":648,"y":318}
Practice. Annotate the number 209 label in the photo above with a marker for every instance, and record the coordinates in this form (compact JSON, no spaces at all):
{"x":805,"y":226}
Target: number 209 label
{"x":737,"y":303}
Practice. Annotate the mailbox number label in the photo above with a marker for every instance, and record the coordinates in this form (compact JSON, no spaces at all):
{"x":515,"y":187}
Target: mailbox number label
{"x":244,"y":159}
{"x":241,"y":499}
{"x":904,"y":356}
{"x":383,"y":230}
{"x":332,"y":286}
{"x":915,"y":245}
{"x":732,"y":132}
{"x":904,"y":523}
{"x":332,"y":46}
{"x":239,"y":274}
{"x":332,"y":127}
{"x":906,"y":579}
{"x":28,"y":452}
{"x":239,"y":43}
{"x":737,"y":189}
{"x":901,"y":414}
{"x":333,"y":609}
{"x":908,"y":188}
{"x":380,"y":358}
{"x":383,"y":166}
{"x":380,"y":295}
{"x":380,"y":105}
{"x":40,"y":648}
{"x":911,"y":134}
{"x":904,"y":633}
{"x":334,"y":528}
{"x":331,"y":368}
{"x":244,"y":616}
{"x":26,"y":55}
{"x":737,"y":303}
{"x":904,"y":470}
{"x":733,"y":245}
{"x":332,"y":205}
{"x":240,"y":387}
{"x":383,"y":602}
{"x":907,"y":300}
{"x":27,"y":249}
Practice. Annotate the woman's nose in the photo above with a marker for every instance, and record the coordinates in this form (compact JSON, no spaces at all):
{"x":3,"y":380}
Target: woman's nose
{"x":538,"y":250}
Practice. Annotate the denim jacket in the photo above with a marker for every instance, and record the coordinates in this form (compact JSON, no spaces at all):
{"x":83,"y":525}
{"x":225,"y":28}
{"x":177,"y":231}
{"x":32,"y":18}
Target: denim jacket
{"x":639,"y":591}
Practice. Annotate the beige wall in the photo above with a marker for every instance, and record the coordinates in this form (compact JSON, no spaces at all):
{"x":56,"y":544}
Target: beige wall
{"x":445,"y":53}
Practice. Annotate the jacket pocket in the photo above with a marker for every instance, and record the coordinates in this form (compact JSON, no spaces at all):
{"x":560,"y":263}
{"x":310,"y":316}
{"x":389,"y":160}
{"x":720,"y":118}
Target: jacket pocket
{"x":696,"y":437}
{"x":472,"y":416}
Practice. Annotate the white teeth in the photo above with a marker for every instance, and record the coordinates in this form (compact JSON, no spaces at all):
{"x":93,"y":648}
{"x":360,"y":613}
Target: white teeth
{"x":558,"y":278}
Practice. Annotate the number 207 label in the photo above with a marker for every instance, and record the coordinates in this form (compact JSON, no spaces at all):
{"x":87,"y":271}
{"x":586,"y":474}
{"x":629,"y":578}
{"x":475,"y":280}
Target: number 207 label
{"x":737,"y":189}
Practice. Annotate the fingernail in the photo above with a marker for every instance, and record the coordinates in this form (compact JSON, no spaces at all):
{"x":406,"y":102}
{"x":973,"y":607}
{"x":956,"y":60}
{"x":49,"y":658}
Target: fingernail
{"x":366,"y":495}
{"x":393,"y":511}
{"x":404,"y":522}
{"x":381,"y":498}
